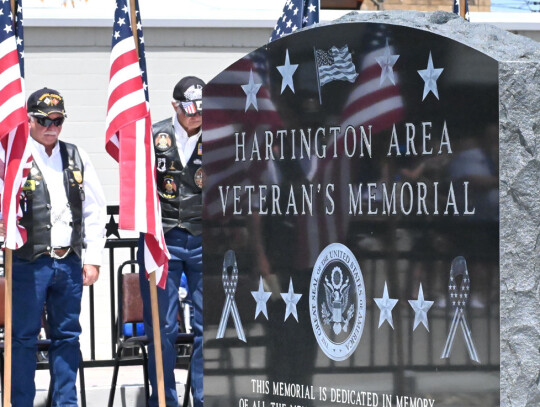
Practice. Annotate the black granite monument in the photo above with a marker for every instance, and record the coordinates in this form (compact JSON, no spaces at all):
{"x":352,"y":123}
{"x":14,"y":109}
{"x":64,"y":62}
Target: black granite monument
{"x":351,"y":222}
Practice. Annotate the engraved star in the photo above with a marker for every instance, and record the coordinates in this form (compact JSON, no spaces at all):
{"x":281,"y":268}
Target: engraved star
{"x":387,"y":62}
{"x":261,"y":297}
{"x":287,"y":71}
{"x":430,"y":76}
{"x":291,"y":299}
{"x":386,"y":305}
{"x":250,"y":89}
{"x":421,"y":308}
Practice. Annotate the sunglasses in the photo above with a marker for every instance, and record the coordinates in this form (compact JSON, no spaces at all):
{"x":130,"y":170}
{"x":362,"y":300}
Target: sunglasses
{"x":46,"y":122}
{"x":191,"y":109}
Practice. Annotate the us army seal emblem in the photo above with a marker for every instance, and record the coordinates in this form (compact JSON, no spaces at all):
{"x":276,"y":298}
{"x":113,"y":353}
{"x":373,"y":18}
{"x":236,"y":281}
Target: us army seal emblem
{"x":337,"y":301}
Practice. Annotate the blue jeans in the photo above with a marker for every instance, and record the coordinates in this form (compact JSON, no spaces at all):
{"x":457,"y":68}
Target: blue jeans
{"x":186,"y":257}
{"x":58,"y":284}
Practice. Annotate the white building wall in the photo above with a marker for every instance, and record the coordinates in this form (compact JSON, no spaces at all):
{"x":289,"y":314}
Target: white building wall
{"x":75,"y":61}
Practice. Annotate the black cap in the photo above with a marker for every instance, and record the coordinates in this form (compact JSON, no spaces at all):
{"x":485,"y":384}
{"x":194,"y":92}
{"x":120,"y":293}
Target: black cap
{"x":45,"y":101}
{"x":188,"y":89}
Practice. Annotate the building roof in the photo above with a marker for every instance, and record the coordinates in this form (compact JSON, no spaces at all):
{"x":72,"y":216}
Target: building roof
{"x":211,"y":13}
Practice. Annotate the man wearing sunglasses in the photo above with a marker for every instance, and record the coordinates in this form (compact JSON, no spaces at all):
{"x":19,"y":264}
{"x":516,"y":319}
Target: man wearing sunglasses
{"x":178,"y":150}
{"x":64,"y":213}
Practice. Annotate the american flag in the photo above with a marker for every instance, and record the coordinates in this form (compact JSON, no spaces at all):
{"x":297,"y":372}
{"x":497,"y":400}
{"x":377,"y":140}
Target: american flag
{"x":129,"y":140}
{"x":225,"y":114}
{"x":189,"y":107}
{"x":457,"y":9}
{"x":296,"y":14}
{"x":335,"y":65}
{"x":15,"y":159}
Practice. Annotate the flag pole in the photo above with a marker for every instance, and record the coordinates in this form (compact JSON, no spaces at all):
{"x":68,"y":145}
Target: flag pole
{"x":8,"y":311}
{"x":462,"y":8}
{"x":317,"y":70}
{"x":153,"y":286}
{"x":7,"y":326}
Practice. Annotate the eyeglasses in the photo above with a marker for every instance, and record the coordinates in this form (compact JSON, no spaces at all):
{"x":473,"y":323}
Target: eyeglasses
{"x":46,"y":121}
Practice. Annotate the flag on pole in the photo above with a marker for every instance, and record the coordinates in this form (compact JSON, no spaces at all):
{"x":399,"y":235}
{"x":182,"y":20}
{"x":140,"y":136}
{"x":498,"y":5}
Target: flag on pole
{"x":129,"y":140}
{"x":335,"y":65}
{"x":15,"y":159}
{"x":296,"y":14}
{"x":457,"y":9}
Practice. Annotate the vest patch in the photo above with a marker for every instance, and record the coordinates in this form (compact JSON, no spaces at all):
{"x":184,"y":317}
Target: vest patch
{"x":29,"y":185}
{"x":78,"y":176}
{"x":163,"y":142}
{"x":199,"y":177}
{"x":170,"y":188}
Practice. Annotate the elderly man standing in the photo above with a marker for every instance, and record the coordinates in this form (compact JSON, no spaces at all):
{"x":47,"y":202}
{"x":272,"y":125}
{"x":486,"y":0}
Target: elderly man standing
{"x":64,"y":213}
{"x":178,"y":149}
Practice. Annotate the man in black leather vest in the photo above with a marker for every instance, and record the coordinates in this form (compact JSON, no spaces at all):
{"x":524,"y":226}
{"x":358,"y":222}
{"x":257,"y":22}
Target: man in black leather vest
{"x":64,"y":214}
{"x":178,"y":150}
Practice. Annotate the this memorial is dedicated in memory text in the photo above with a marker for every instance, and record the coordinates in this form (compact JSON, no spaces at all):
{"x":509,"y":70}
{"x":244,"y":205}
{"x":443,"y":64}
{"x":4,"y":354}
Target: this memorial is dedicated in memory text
{"x":371,"y":217}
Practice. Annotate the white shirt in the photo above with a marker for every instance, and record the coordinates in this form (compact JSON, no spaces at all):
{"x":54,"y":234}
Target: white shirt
{"x":186,"y":144}
{"x":94,"y":204}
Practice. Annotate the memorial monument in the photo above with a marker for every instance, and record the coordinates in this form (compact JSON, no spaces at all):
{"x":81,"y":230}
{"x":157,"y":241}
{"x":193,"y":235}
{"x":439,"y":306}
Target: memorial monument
{"x":371,"y":217}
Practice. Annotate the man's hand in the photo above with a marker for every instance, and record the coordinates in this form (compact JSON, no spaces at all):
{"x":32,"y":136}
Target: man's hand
{"x":90,"y":274}
{"x":2,"y":230}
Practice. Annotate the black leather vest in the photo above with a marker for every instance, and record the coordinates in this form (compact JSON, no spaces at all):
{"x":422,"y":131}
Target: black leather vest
{"x":36,"y":205}
{"x":179,"y":187}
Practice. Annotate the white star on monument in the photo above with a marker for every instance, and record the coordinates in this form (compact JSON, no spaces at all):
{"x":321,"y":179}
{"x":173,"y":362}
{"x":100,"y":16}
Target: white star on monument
{"x":287,"y":72}
{"x":261,"y":297}
{"x":250,"y":89}
{"x":387,"y":62}
{"x":291,"y":299}
{"x":430,"y":76}
{"x":420,"y":308}
{"x":386,"y":305}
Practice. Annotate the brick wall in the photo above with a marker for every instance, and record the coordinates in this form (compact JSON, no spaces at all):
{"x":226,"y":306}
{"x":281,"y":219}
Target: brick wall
{"x":421,"y":5}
